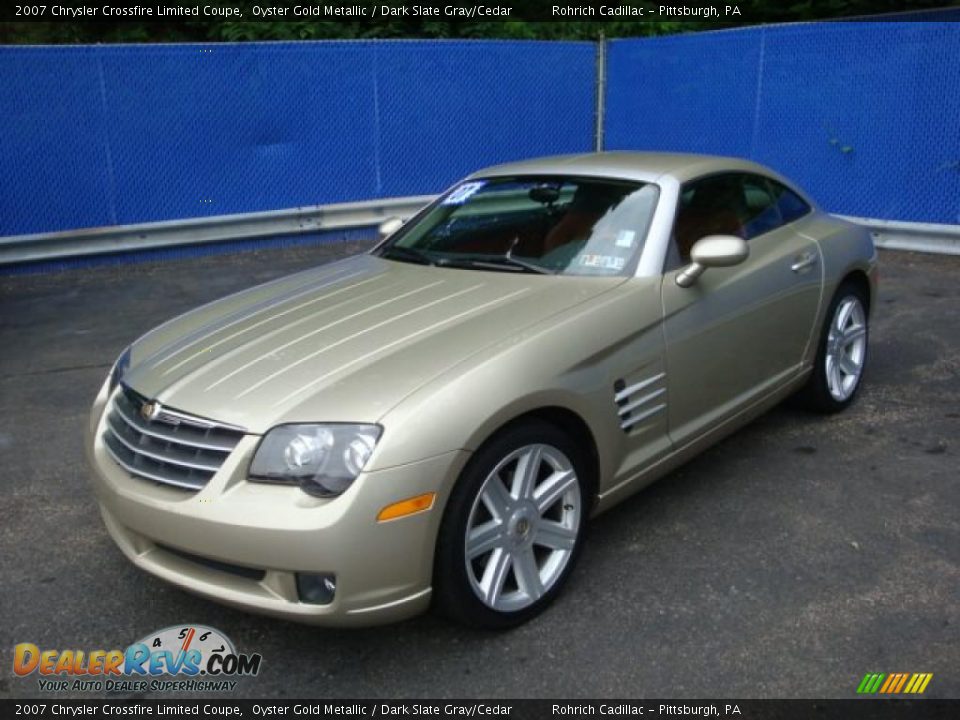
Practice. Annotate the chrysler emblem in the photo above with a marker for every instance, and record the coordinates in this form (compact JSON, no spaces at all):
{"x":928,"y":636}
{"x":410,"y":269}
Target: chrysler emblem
{"x":149,"y":410}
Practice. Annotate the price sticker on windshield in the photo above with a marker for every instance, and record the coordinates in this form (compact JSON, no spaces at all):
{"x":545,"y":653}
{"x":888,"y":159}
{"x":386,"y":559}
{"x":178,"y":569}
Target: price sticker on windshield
{"x":605,"y":262}
{"x":463,"y":193}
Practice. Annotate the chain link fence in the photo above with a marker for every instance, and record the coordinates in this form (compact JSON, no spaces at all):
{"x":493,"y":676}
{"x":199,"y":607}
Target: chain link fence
{"x":862,"y":115}
{"x":106,"y":135}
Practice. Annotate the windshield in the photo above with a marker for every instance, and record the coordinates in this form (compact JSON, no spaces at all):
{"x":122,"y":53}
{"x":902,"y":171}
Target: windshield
{"x":556,"y":225}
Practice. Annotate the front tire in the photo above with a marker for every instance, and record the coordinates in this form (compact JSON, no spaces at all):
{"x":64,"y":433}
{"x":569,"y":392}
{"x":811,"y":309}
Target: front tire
{"x":841,"y":354}
{"x":512,"y":528}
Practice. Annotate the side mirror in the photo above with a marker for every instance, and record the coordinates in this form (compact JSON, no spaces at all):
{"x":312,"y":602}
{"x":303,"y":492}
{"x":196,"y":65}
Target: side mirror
{"x":713,"y":251}
{"x":389,"y":226}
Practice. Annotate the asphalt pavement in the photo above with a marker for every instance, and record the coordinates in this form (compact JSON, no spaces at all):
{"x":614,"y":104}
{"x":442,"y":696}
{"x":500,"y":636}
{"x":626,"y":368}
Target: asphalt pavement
{"x":787,"y":561}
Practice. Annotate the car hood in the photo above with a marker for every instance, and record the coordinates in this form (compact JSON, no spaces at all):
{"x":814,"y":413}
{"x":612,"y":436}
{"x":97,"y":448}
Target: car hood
{"x":344,"y":342}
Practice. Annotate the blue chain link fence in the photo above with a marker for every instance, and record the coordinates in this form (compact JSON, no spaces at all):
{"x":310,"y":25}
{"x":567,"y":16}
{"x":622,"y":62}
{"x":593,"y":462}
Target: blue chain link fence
{"x":863,"y":115}
{"x":111,"y":135}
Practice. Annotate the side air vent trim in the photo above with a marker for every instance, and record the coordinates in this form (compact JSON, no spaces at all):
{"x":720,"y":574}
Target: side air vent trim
{"x":633,"y":407}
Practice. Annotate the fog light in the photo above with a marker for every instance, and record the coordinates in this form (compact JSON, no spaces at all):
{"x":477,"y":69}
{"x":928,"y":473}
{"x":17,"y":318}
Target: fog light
{"x":316,"y":589}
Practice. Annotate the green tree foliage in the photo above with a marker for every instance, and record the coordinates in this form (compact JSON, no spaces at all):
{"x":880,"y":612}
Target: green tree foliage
{"x":199,"y":30}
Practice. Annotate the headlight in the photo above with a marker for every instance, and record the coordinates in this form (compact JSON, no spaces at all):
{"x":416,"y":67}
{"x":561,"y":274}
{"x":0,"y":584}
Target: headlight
{"x":323,"y":459}
{"x":119,"y":369}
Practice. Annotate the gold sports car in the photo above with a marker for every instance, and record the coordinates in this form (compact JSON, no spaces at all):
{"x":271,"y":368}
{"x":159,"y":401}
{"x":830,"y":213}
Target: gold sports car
{"x":435,"y":420}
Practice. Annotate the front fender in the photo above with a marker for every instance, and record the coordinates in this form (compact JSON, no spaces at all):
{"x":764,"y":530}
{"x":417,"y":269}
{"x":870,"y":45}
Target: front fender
{"x":569,"y":362}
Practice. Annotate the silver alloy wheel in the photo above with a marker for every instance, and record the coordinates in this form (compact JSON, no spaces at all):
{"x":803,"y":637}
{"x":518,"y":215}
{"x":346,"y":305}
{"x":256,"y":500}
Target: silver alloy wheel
{"x":522,"y":527}
{"x":846,"y":348}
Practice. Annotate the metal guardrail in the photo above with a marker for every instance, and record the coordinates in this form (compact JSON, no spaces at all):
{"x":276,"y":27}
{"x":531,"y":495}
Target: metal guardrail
{"x":195,"y":231}
{"x":918,"y":237}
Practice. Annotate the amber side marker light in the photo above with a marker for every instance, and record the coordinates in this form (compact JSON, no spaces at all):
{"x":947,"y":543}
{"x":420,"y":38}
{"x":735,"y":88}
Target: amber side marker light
{"x":420,"y":503}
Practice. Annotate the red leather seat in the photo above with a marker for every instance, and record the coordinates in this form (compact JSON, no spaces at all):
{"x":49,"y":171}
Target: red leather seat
{"x":714,"y":209}
{"x":590,"y":203}
{"x":576,"y":224}
{"x":692,"y":226}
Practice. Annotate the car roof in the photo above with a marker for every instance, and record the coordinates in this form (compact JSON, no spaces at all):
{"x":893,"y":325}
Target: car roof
{"x":640,"y":166}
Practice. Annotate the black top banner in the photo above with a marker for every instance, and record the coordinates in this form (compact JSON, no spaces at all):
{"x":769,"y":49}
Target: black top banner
{"x":464,"y":11}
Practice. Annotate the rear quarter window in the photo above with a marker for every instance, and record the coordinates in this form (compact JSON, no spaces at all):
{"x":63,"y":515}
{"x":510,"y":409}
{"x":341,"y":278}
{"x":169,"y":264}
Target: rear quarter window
{"x":791,"y":205}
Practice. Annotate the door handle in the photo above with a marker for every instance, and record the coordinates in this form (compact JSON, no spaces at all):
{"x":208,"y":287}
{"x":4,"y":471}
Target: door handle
{"x":803,"y":262}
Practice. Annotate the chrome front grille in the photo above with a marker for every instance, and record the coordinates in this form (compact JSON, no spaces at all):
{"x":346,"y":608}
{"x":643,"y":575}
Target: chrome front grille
{"x":170,"y":447}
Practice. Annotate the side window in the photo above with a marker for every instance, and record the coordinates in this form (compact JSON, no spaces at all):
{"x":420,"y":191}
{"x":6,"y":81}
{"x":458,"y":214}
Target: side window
{"x":761,"y":213}
{"x":740,"y":204}
{"x":708,"y":206}
{"x":791,"y":205}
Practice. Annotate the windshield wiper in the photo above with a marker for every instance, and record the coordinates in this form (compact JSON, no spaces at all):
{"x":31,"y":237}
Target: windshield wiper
{"x":507,"y":259}
{"x":410,"y":254}
{"x":502,"y":261}
{"x":495,"y":262}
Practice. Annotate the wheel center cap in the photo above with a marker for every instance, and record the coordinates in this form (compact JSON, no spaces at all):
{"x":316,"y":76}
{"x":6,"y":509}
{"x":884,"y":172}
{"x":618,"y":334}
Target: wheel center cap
{"x":522,"y":523}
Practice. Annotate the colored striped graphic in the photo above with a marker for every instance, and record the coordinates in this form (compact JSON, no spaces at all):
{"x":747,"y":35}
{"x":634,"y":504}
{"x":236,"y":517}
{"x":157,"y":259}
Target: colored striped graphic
{"x":894,"y":683}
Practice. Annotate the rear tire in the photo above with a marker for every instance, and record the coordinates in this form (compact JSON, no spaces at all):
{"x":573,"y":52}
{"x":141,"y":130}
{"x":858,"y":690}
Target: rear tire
{"x":513,"y":527}
{"x":841,"y":354}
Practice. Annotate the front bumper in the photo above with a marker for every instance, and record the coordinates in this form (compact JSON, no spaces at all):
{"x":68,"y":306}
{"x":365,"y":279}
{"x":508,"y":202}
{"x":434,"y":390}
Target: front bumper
{"x":258,"y":536}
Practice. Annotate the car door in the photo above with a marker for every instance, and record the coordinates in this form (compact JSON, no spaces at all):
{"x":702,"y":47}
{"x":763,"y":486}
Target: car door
{"x":739,"y":332}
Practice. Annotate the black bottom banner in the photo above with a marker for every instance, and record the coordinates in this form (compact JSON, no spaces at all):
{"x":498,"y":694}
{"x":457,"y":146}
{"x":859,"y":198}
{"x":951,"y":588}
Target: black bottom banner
{"x":499,"y":709}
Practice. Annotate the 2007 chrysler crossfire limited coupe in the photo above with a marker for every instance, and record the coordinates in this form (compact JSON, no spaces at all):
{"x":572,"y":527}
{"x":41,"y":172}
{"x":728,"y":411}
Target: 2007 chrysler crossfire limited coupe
{"x":434,"y":421}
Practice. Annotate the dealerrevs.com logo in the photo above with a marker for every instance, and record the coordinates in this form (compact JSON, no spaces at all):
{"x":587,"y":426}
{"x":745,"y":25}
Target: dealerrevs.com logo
{"x":181,"y":658}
